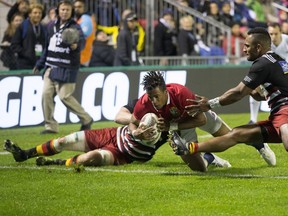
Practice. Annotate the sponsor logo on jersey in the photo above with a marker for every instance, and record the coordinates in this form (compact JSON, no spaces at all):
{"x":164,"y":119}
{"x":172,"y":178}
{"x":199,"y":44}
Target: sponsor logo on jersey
{"x":284,"y":66}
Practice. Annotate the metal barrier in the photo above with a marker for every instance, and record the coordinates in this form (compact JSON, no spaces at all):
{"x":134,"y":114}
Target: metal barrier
{"x":192,"y":60}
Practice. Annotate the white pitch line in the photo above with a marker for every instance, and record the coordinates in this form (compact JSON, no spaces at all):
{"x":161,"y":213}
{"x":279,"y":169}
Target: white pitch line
{"x":4,"y":153}
{"x":148,"y":172}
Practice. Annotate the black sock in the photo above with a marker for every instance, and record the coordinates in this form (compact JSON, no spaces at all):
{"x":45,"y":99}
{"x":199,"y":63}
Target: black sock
{"x":59,"y":162}
{"x":31,"y":152}
{"x":209,"y":157}
{"x":257,"y":146}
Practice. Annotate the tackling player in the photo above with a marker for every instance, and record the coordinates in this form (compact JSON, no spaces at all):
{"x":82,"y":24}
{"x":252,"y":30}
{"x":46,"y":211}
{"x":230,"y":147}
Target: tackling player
{"x":269,"y":70}
{"x":279,"y":45}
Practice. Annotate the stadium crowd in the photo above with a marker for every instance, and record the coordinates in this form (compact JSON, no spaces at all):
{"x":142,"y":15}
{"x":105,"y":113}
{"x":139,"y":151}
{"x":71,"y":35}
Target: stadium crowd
{"x":176,"y":32}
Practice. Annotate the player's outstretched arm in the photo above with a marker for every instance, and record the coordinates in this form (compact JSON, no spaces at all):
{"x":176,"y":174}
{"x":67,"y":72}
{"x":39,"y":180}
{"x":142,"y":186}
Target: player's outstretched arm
{"x":202,"y":104}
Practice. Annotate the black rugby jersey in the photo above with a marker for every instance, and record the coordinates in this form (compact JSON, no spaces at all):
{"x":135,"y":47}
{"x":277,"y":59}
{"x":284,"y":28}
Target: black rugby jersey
{"x":134,"y":149}
{"x":271,"y":71}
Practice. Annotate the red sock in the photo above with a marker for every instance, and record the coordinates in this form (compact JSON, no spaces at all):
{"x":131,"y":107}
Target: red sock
{"x":46,"y":149}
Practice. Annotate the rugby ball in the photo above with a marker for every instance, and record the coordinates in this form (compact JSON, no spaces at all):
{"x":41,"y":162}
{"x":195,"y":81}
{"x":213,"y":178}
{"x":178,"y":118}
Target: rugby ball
{"x":150,"y":120}
{"x":70,"y":36}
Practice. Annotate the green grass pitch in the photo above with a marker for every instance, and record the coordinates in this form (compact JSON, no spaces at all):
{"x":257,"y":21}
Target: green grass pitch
{"x":162,"y":186}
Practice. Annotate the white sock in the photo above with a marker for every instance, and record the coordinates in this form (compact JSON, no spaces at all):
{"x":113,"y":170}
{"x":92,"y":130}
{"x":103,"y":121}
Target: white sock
{"x":72,"y":142}
{"x":254,"y":109}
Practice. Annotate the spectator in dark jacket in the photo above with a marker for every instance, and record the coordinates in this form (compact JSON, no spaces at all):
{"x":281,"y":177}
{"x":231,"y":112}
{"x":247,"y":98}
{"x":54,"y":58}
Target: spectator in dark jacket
{"x":126,"y":53}
{"x":7,"y":55}
{"x":214,"y":36}
{"x":29,"y":39}
{"x":226,"y":18}
{"x":20,"y":7}
{"x":103,"y":54}
{"x":165,"y":36}
{"x":187,"y":41}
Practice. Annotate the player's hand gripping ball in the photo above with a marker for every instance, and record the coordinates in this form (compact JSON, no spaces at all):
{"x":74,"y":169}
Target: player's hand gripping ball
{"x":147,"y":121}
{"x":70,"y":36}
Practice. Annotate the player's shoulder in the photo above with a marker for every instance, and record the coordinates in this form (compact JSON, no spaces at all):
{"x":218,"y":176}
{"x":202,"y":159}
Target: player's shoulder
{"x":178,"y":92}
{"x":175,"y":86}
{"x":267,"y":58}
{"x":266,"y":61}
{"x":142,"y":100}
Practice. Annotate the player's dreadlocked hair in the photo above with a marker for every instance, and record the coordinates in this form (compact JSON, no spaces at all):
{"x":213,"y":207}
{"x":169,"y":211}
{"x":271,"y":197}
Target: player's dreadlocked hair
{"x":261,"y":36}
{"x":152,"y":80}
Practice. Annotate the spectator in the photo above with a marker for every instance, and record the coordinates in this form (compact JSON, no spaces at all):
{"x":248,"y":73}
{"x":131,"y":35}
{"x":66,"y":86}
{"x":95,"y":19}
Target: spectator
{"x":165,"y":36}
{"x":7,"y":54}
{"x":270,"y":11}
{"x":103,"y":54}
{"x":283,"y":16}
{"x":236,"y":38}
{"x":187,"y":41}
{"x":200,"y":5}
{"x":29,"y":39}
{"x":242,"y":14}
{"x":258,"y":10}
{"x":88,"y":25}
{"x":215,"y":37}
{"x":139,"y":32}
{"x":126,"y":53}
{"x":20,"y":7}
{"x":51,"y":16}
{"x":61,"y":62}
{"x":263,"y":9}
{"x":183,"y":3}
{"x":284,"y":28}
{"x":279,"y":43}
{"x":226,"y":16}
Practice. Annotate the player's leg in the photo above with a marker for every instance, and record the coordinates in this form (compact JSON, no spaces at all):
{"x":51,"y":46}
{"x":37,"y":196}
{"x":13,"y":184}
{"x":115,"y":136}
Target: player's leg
{"x":95,"y":157}
{"x":217,"y":127}
{"x":99,"y":152}
{"x":284,"y":135}
{"x":281,"y":121}
{"x":241,"y":134}
{"x":200,"y":162}
{"x":72,"y":142}
{"x":195,"y":162}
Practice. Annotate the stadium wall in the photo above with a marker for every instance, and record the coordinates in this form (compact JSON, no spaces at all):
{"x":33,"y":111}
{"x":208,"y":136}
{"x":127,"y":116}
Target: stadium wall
{"x":103,"y":91}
